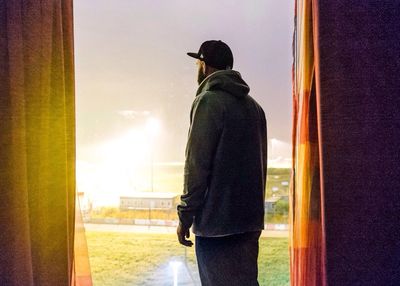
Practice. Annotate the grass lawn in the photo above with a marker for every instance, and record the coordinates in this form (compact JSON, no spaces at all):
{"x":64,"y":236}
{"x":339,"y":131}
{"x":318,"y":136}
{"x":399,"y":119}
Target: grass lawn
{"x":122,"y":259}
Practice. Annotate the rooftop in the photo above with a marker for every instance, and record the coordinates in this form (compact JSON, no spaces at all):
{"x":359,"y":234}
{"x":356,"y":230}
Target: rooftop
{"x":150,"y":195}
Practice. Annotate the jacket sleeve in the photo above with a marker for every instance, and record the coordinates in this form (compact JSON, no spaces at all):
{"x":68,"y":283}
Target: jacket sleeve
{"x":205,"y":130}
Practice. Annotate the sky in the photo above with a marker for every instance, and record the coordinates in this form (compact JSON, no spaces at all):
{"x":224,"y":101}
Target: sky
{"x":131,"y":67}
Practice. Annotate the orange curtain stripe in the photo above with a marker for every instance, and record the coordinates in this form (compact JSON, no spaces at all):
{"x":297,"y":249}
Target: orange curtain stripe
{"x":306,"y":251}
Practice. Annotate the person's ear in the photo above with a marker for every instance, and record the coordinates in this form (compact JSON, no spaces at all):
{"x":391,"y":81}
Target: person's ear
{"x":203,"y":67}
{"x":206,"y":69}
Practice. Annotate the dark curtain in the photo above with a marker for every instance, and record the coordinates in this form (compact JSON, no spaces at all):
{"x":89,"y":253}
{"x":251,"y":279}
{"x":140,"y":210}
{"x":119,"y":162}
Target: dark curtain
{"x":37,"y":143}
{"x":356,"y":62}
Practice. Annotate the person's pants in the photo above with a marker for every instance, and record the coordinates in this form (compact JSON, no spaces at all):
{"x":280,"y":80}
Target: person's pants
{"x":228,"y":260}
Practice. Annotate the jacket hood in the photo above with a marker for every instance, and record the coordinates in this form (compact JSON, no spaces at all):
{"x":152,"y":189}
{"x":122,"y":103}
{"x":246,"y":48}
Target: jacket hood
{"x":229,"y":81}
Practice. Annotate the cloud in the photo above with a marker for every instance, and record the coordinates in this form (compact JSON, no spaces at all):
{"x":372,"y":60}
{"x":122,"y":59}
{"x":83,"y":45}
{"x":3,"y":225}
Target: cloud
{"x":279,"y":149}
{"x":131,"y":114}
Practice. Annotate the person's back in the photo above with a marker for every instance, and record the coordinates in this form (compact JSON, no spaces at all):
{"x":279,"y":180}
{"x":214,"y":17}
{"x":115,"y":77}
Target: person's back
{"x":234,"y":199}
{"x":225,"y":172}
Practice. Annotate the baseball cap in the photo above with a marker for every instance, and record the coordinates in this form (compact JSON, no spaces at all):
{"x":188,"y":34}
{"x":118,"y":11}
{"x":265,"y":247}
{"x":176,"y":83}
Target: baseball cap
{"x":215,"y":53}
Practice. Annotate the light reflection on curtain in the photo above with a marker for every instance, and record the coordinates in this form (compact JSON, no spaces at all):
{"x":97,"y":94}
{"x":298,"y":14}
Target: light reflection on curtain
{"x":306,"y":245}
{"x":82,"y":273}
{"x":37,"y":143}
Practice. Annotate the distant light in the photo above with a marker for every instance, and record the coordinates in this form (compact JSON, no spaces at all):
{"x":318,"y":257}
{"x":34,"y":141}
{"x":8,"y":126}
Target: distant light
{"x":153,"y":126}
{"x":175,"y":267}
{"x":285,"y":183}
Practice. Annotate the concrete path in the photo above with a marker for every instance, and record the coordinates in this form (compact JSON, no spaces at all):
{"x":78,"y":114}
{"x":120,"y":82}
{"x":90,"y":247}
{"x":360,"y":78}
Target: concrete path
{"x":164,"y":275}
{"x":161,"y":229}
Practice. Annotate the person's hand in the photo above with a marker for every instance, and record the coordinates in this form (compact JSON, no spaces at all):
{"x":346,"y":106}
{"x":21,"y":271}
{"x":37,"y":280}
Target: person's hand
{"x":183,"y":233}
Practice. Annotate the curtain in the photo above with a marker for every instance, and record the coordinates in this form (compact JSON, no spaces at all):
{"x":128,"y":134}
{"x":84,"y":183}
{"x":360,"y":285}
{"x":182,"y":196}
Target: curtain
{"x":37,"y":143}
{"x":307,"y":266}
{"x":345,"y":202}
{"x":82,"y":272}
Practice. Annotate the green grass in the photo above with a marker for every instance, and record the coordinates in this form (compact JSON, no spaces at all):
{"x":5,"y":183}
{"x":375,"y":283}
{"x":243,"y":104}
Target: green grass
{"x":273,"y":262}
{"x":121,"y":259}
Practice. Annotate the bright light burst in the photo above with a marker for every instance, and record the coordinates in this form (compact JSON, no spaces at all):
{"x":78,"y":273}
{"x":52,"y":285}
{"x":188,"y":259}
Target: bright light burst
{"x":153,"y":127}
{"x":123,"y":165}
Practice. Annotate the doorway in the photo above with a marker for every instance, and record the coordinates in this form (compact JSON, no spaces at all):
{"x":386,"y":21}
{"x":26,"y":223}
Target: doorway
{"x":134,"y":89}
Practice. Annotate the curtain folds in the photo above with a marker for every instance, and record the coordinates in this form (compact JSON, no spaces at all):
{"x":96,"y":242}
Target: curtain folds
{"x":37,"y":143}
{"x":82,"y":272}
{"x":307,"y":266}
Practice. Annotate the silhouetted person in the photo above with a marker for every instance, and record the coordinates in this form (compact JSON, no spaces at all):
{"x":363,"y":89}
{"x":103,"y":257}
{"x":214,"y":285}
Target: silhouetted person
{"x":225,"y":172}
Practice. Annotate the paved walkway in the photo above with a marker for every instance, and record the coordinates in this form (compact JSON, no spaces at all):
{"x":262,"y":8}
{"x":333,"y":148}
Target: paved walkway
{"x":164,"y":275}
{"x":160,"y":229}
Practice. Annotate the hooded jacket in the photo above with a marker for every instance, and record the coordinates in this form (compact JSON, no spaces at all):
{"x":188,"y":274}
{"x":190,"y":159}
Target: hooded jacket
{"x":226,"y":159}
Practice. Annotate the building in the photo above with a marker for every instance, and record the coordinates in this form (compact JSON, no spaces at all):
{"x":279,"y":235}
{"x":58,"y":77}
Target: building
{"x":270,"y":204}
{"x":149,"y":200}
{"x":85,"y":204}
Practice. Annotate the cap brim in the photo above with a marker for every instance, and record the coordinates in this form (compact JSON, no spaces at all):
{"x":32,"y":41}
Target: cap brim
{"x":193,"y":55}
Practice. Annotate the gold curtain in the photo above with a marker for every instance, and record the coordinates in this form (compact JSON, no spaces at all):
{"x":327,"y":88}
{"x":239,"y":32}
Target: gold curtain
{"x":37,"y":143}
